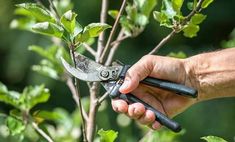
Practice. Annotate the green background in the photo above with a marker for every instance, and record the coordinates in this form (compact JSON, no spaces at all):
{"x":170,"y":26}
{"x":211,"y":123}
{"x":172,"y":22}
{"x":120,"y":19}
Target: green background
{"x":215,"y":117}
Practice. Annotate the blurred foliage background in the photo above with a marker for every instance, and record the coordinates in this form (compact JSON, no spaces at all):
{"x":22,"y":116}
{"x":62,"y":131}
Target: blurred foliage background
{"x":215,"y":117}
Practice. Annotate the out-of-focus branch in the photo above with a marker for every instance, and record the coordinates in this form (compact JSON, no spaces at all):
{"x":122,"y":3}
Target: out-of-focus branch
{"x":183,"y":23}
{"x":53,"y":8}
{"x":103,"y":19}
{"x":101,"y":60}
{"x":90,"y":50}
{"x":120,"y":38}
{"x":41,"y":132}
{"x":103,"y":97}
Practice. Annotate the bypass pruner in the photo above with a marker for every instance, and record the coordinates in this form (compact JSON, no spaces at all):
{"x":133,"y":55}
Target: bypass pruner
{"x":112,"y":77}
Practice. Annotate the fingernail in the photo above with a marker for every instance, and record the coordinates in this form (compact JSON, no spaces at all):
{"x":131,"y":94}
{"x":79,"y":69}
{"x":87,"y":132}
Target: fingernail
{"x":156,"y":125}
{"x":125,"y":85}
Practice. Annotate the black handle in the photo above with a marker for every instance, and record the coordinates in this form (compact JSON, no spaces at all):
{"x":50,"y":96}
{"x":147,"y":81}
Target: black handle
{"x":160,"y":117}
{"x":171,"y":86}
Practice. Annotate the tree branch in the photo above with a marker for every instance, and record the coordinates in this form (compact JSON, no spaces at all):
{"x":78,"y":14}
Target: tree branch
{"x":71,"y":86}
{"x":185,"y":21}
{"x":53,"y":8}
{"x":112,"y":31}
{"x":103,"y":97}
{"x":120,"y":38}
{"x":91,"y":124}
{"x":103,"y":19}
{"x":90,"y":50}
{"x":78,"y":94}
{"x":41,"y":132}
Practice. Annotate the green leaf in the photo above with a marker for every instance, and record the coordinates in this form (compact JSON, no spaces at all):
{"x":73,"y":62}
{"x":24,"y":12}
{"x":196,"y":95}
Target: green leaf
{"x":206,"y":3}
{"x":141,"y":20}
{"x":91,"y":30}
{"x":190,"y":5}
{"x":3,"y":88}
{"x":37,"y":11}
{"x":78,"y":29}
{"x":22,"y":24}
{"x":198,"y":18}
{"x":48,"y":115}
{"x":68,"y":20}
{"x":107,"y":136}
{"x":49,"y":29}
{"x":32,"y":96}
{"x":191,"y":30}
{"x":14,"y":125}
{"x":167,"y":8}
{"x":113,"y":13}
{"x":94,"y":29}
{"x":145,"y":6}
{"x":213,"y":139}
{"x":177,"y":4}
{"x":179,"y":54}
{"x":162,"y":19}
{"x":47,"y":71}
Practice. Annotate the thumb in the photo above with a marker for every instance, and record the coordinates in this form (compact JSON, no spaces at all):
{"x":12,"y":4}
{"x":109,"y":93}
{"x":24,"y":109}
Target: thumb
{"x":136,"y":73}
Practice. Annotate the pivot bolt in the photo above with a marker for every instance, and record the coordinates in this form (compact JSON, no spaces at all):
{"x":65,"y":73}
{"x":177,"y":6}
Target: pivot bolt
{"x":104,"y":74}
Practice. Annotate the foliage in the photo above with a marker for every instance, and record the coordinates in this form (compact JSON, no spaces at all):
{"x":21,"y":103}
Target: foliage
{"x":59,"y":124}
{"x":213,"y":139}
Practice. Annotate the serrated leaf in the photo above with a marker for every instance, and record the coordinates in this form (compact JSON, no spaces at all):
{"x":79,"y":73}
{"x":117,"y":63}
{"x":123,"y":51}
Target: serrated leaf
{"x":145,"y":6}
{"x":213,"y":139}
{"x":107,"y":136}
{"x":49,"y":29}
{"x":68,"y":20}
{"x":206,"y":3}
{"x":191,"y":30}
{"x":91,"y":30}
{"x":198,"y":18}
{"x":113,"y":13}
{"x":14,"y":125}
{"x":38,"y":12}
{"x":94,"y":29}
{"x":177,"y":4}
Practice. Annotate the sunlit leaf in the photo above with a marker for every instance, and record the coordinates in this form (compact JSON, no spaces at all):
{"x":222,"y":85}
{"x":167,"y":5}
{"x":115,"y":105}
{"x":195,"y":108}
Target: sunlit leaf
{"x":213,"y":139}
{"x":46,"y":70}
{"x":49,"y":29}
{"x":47,"y":115}
{"x":37,"y":11}
{"x":107,"y":136}
{"x":162,"y":19}
{"x":22,"y":24}
{"x":68,"y":20}
{"x":34,"y":95}
{"x":14,"y":125}
{"x":167,"y":8}
{"x":191,"y":30}
{"x":94,"y":29}
{"x":177,"y":4}
{"x":145,"y":6}
{"x":206,"y":3}
{"x":198,"y":18}
{"x":113,"y":13}
{"x":141,"y":20}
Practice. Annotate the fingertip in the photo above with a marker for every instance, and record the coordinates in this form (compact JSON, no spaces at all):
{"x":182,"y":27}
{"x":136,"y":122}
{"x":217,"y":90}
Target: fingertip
{"x":156,"y":125}
{"x":120,"y":106}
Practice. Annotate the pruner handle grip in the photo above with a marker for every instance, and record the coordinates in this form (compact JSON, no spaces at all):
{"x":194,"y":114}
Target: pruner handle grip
{"x":160,"y":117}
{"x":171,"y":86}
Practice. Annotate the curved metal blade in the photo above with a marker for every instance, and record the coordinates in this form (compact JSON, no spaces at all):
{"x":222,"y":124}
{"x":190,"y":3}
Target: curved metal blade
{"x":83,"y":73}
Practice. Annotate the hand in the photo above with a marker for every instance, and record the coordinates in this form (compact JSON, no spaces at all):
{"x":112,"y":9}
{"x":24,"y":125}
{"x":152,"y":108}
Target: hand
{"x":168,"y":103}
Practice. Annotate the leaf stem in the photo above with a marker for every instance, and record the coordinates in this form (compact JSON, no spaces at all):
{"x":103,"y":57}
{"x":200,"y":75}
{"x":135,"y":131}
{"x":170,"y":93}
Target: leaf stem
{"x":113,"y":31}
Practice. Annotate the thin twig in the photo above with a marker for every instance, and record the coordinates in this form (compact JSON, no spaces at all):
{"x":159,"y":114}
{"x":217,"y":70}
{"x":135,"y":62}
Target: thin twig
{"x":114,"y":48}
{"x":53,"y":8}
{"x":103,"y":19}
{"x":103,"y":97}
{"x":71,"y":86}
{"x":41,"y":132}
{"x":162,"y":42}
{"x":89,"y":49}
{"x":169,"y":36}
{"x":112,"y":31}
{"x":119,"y":40}
{"x":78,"y":94}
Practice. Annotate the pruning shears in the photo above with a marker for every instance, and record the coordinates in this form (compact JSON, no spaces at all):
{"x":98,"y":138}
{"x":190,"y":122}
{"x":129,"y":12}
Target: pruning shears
{"x":112,"y":77}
